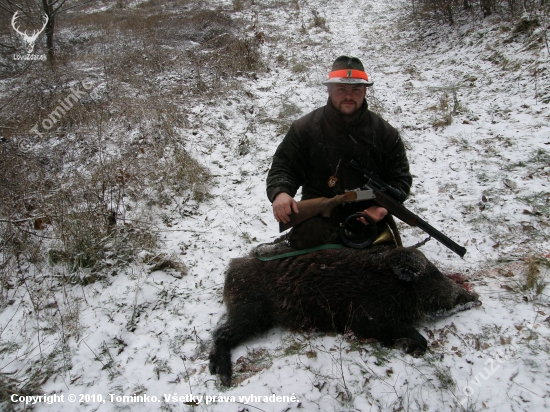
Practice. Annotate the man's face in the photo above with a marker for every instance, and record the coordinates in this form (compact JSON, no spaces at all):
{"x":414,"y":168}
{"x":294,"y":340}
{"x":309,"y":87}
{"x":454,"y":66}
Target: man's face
{"x":347,"y":98}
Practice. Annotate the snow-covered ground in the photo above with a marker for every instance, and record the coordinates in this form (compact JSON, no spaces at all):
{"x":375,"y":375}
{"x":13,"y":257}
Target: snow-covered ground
{"x":482,"y":180}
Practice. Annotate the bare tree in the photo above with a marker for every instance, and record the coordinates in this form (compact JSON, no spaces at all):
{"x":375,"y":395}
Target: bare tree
{"x":487,"y":7}
{"x":448,"y":9}
{"x":50,"y":8}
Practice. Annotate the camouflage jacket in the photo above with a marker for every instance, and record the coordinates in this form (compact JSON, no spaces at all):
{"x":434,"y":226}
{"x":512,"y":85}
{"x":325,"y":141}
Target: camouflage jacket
{"x":321,"y":144}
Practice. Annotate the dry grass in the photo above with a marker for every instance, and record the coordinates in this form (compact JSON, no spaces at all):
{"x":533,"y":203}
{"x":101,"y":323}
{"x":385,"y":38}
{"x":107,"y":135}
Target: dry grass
{"x":81,"y":199}
{"x":319,"y":21}
{"x":535,"y":275}
{"x":118,"y":146}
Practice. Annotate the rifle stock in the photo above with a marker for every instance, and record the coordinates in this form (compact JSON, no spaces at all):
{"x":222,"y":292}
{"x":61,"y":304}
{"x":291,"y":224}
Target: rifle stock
{"x":318,"y":206}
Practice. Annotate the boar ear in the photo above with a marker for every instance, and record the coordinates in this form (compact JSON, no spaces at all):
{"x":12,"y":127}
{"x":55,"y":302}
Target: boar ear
{"x":407,"y":265}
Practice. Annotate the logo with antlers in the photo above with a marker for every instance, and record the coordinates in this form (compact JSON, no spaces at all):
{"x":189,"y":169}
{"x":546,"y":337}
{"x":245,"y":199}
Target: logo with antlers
{"x":29,"y":39}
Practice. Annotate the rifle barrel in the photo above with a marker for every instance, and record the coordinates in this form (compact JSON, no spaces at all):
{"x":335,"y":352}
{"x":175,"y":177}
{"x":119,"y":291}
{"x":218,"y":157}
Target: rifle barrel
{"x":436,"y":234}
{"x":404,"y":214}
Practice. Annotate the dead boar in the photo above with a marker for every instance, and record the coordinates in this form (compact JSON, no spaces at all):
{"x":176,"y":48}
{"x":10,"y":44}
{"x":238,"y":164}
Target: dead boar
{"x":376,"y":293}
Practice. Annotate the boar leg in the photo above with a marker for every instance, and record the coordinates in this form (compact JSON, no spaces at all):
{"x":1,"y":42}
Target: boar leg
{"x":243,"y":321}
{"x":388,"y":332}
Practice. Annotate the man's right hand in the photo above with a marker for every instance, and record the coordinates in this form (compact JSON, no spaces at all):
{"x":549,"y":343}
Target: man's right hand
{"x":283,"y":206}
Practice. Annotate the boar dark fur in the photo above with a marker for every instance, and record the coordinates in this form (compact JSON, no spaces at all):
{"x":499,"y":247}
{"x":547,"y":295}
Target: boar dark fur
{"x":376,"y":293}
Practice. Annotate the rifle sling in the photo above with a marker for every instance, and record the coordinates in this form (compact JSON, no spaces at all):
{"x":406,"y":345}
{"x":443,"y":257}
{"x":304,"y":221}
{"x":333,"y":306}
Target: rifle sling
{"x":297,"y":252}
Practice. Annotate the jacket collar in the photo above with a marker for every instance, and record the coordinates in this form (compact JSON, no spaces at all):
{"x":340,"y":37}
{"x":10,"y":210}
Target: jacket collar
{"x":335,"y":116}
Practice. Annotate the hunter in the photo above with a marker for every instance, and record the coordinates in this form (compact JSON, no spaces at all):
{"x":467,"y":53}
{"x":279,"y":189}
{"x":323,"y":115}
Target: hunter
{"x":316,"y":152}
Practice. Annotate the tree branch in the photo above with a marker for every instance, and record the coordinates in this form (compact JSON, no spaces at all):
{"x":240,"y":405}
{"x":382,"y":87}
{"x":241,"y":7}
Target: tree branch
{"x":11,"y":9}
{"x":7,"y":46}
{"x":55,"y":9}
{"x":73,"y":7}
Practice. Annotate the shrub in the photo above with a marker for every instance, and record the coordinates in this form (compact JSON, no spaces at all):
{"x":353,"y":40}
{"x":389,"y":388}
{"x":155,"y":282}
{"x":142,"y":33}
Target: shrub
{"x":83,"y":195}
{"x":449,"y":8}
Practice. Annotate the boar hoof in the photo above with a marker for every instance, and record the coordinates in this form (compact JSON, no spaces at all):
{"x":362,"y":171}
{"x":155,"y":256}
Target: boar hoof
{"x":220,"y":364}
{"x":414,"y":347}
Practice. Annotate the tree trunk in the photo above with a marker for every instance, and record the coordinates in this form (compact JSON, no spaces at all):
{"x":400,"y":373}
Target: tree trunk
{"x":467,"y":4}
{"x":449,"y":11}
{"x":486,"y":7}
{"x":50,"y":28}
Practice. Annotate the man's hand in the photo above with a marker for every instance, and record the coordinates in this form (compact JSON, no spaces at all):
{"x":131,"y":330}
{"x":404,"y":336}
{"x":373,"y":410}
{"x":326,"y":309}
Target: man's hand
{"x":376,"y":213}
{"x":283,"y":206}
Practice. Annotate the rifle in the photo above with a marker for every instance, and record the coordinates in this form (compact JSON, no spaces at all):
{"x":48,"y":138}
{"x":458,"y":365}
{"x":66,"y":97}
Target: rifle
{"x":384,"y":196}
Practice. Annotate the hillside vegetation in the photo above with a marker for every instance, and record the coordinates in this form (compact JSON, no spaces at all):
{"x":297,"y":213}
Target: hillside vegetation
{"x":121,"y":206}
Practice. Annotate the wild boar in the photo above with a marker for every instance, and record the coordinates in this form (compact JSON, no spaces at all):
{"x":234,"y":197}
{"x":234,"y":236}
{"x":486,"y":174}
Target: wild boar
{"x":376,"y":293}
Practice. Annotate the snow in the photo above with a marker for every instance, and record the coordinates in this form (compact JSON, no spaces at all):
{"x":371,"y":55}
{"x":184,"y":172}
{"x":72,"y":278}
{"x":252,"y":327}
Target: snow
{"x":496,"y":353}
